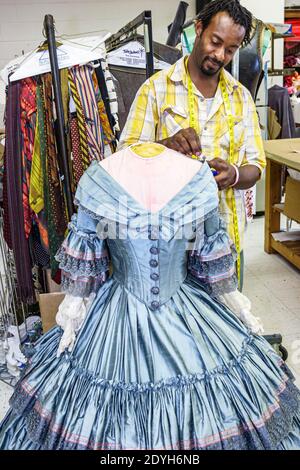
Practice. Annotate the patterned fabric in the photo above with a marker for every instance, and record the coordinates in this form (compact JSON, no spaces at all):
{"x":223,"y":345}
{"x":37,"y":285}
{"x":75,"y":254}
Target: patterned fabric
{"x":76,"y":150}
{"x":46,"y":217}
{"x":108,"y":135}
{"x":82,"y":128}
{"x":13,"y":176}
{"x":160,"y":109}
{"x":28,"y":110}
{"x":57,"y":201}
{"x":83,"y":79}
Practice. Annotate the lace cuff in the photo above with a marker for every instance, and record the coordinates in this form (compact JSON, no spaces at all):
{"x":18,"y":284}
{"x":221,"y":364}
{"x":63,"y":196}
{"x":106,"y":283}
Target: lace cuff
{"x":213,"y":264}
{"x":84,"y":261}
{"x":70,"y":316}
{"x":240,"y":305}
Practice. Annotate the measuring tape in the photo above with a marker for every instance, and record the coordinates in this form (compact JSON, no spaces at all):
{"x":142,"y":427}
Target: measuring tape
{"x":194,"y":124}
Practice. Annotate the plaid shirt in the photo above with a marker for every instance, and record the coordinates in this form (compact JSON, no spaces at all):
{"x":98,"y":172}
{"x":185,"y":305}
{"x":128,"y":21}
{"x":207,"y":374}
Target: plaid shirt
{"x":160,"y":109}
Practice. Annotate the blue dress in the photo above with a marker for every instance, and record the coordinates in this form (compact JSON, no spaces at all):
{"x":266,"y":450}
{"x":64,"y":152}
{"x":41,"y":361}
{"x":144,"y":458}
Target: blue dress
{"x":158,"y":363}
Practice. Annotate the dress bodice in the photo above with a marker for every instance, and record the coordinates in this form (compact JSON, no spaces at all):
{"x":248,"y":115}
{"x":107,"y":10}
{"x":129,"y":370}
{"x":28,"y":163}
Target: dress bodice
{"x":148,"y":251}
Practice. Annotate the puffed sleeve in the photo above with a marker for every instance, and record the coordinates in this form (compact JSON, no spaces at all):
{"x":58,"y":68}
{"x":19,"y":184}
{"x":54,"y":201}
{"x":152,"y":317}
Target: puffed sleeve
{"x":84,"y":262}
{"x":213,"y":256}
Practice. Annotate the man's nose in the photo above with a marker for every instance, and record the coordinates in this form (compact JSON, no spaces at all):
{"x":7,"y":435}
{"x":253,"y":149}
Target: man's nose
{"x":220,"y":54}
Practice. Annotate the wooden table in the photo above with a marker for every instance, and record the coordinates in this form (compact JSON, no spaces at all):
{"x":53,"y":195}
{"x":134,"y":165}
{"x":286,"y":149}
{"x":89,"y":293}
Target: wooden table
{"x":278,"y":153}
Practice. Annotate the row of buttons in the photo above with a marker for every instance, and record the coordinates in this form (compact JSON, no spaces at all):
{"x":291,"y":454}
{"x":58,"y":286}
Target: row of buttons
{"x":154,"y":276}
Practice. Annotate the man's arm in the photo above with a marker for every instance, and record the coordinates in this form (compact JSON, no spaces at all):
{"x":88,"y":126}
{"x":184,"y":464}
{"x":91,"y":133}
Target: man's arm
{"x":142,"y":118}
{"x":254,"y":160}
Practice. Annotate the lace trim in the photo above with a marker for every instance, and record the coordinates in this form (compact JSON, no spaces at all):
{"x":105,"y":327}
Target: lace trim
{"x":83,"y":287}
{"x":81,"y":267}
{"x":277,"y":424}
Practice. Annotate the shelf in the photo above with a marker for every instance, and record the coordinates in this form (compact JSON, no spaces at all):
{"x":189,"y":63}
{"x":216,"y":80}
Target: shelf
{"x":290,"y":250}
{"x":280,"y":72}
{"x":282,"y":36}
{"x":279,"y":207}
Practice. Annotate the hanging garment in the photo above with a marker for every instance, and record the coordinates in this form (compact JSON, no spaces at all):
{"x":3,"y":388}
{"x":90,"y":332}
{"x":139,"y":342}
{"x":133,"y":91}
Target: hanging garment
{"x":28,"y":115}
{"x":279,"y":101}
{"x":77,"y":157}
{"x":14,"y":213}
{"x":83,"y":79}
{"x":156,"y":361}
{"x":104,"y":92}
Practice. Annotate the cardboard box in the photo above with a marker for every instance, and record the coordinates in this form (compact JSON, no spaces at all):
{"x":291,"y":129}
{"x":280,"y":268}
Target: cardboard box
{"x":49,"y":304}
{"x":292,"y":199}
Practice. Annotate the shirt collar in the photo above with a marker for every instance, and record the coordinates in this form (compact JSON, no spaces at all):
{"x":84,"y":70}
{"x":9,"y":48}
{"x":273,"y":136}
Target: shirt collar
{"x":178,"y":73}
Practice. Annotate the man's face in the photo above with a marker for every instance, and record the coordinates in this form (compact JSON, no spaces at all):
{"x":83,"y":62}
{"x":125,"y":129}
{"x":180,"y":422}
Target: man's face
{"x":215,"y":46}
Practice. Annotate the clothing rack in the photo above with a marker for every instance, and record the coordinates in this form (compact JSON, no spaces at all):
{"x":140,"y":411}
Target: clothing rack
{"x":145,"y":18}
{"x":63,"y":162}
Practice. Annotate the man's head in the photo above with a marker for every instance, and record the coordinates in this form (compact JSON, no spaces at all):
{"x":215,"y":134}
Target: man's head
{"x":221,"y":28}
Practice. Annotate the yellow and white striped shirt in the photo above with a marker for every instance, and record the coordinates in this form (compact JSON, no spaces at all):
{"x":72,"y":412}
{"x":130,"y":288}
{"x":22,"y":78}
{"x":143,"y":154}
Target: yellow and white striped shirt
{"x":161,"y":109}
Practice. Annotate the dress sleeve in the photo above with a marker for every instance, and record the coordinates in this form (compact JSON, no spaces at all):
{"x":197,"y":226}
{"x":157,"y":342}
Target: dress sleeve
{"x":83,"y":257}
{"x":84,"y":262}
{"x":212,"y":258}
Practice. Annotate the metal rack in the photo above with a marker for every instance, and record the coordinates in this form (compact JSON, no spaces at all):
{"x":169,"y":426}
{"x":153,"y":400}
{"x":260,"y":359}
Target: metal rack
{"x":129,"y":31}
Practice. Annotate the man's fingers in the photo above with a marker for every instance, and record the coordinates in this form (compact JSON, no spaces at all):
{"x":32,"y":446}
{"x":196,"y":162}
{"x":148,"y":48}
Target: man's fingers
{"x":183,"y":144}
{"x":193,"y":140}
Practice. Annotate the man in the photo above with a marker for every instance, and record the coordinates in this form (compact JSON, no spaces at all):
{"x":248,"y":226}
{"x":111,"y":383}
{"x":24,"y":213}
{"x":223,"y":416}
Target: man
{"x":163,"y":108}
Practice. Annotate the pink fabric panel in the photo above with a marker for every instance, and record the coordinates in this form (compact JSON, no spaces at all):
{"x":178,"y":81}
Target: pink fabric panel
{"x":151,"y":181}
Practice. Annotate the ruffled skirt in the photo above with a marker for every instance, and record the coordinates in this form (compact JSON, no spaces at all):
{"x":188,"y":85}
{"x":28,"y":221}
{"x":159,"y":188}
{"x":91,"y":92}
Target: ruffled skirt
{"x":187,"y":376}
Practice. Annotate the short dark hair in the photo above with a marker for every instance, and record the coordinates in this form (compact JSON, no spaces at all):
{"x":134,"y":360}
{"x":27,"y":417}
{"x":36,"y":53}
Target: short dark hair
{"x":234,"y":9}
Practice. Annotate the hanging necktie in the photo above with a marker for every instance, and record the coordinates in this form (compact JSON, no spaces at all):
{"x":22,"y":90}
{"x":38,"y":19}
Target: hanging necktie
{"x":57,"y":201}
{"x":84,"y":150}
{"x":83,"y":80}
{"x":108,"y":135}
{"x":28,"y":110}
{"x":13,"y":174}
{"x":76,"y":150}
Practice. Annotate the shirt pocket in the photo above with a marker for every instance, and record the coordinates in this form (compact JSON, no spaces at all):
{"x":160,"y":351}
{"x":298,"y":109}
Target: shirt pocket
{"x":239,"y":134}
{"x":172,"y":119}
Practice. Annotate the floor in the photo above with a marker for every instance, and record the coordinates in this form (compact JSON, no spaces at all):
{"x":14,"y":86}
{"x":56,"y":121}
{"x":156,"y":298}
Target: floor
{"x":273,"y":286}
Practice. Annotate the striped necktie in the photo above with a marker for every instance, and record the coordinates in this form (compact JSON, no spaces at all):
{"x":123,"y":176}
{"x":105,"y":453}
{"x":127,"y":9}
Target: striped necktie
{"x":83,"y":79}
{"x":81,"y":124}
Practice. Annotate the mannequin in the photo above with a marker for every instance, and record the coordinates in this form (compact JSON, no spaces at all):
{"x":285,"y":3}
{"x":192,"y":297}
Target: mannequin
{"x":153,"y":175}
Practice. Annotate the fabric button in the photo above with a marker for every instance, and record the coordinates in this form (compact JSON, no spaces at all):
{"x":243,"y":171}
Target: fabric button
{"x":154,"y":250}
{"x":155,"y":290}
{"x":154,"y":305}
{"x":154,"y":276}
{"x":153,"y":263}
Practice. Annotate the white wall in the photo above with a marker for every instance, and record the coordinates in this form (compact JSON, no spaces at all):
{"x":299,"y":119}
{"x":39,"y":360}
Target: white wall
{"x":21,"y":21}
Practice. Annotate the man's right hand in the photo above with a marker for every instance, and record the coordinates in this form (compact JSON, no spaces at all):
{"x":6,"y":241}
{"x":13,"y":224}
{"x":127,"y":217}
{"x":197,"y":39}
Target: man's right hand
{"x":185,"y":141}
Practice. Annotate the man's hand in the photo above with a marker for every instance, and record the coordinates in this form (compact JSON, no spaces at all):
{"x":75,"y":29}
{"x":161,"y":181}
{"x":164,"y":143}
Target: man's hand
{"x":226,"y":173}
{"x":185,"y":141}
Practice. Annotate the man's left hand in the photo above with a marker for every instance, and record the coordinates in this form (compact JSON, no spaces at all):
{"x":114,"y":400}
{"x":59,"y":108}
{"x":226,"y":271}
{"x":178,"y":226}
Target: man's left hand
{"x":226,"y":173}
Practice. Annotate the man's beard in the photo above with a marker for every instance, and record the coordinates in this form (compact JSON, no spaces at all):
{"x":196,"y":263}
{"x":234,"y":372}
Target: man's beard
{"x":211,"y":72}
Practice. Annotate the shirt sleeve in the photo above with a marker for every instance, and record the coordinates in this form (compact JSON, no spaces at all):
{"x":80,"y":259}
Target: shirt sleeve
{"x":254,"y":153}
{"x":142,"y":118}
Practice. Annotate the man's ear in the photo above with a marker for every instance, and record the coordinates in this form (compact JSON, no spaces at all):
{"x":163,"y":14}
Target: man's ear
{"x":198,"y":28}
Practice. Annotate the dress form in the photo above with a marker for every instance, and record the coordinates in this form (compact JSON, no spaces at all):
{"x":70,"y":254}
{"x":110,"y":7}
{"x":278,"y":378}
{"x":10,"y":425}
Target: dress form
{"x":151,"y":173}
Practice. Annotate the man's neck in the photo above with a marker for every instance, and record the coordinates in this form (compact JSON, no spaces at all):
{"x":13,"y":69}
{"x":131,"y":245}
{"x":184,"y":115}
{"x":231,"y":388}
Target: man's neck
{"x":206,"y":84}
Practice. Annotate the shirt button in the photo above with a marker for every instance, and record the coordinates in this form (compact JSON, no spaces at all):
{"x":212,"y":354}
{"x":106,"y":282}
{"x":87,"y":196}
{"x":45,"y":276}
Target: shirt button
{"x":154,"y":276}
{"x":154,"y":250}
{"x":155,"y":290}
{"x":153,"y":263}
{"x":154,"y":305}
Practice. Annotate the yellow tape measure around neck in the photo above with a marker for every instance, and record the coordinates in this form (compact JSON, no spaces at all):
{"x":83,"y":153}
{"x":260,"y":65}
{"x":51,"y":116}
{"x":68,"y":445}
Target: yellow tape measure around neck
{"x":193,"y":124}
